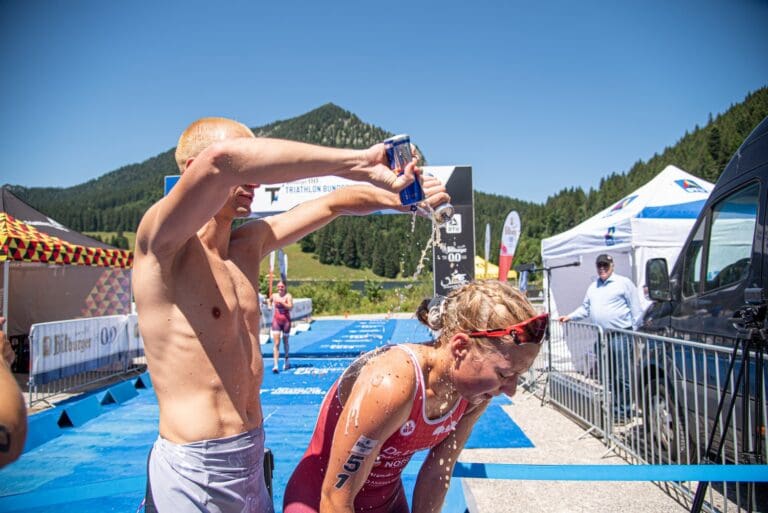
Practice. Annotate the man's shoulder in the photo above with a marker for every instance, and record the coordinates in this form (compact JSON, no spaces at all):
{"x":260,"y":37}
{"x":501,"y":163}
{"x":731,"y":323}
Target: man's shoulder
{"x":620,"y":278}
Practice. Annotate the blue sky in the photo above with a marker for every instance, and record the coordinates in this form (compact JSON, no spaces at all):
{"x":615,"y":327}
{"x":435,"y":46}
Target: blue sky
{"x":536,"y":96}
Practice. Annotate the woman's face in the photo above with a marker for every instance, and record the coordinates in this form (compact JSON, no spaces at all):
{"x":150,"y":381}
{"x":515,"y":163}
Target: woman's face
{"x":484,"y":373}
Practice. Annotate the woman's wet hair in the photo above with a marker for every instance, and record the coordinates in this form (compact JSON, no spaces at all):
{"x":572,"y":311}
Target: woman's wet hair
{"x":479,"y":305}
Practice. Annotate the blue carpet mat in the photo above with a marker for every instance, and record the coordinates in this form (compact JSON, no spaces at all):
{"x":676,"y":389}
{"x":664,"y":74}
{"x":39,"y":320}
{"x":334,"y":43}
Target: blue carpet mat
{"x":351,"y":338}
{"x":101,"y":465}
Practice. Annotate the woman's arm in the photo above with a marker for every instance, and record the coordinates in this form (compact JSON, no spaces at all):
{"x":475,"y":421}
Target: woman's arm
{"x":377,"y":405}
{"x":435,"y":474}
{"x":13,"y":412}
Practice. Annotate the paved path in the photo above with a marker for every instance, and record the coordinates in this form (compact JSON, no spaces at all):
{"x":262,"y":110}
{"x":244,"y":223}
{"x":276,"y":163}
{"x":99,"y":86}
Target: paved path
{"x":558,"y":440}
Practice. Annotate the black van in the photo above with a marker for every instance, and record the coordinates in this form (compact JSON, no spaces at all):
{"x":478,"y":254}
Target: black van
{"x":721,"y":269}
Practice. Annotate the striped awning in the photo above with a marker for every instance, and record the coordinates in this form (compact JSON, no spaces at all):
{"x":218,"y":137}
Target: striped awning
{"x":22,"y":242}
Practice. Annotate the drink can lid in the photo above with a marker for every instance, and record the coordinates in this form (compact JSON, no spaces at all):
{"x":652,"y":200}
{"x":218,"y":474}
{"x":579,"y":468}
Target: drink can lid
{"x":398,"y":139}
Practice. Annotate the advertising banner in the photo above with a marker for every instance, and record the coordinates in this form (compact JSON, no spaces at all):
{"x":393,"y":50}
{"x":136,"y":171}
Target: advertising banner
{"x":269,"y":199}
{"x":453,"y":259}
{"x":135,"y":342}
{"x":66,"y":348}
{"x":282,"y":262}
{"x":510,"y":235}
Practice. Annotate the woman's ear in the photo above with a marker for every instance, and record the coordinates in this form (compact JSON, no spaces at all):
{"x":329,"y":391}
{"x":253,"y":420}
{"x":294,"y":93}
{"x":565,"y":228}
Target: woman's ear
{"x":460,"y":345}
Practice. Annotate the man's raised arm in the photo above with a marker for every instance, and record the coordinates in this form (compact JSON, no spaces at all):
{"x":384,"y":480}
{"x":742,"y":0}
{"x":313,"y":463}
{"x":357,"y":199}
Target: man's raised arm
{"x":209,"y":178}
{"x":280,"y":230}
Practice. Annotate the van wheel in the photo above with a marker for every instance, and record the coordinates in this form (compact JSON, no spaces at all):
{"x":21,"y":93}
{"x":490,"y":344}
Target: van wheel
{"x":665,"y":426}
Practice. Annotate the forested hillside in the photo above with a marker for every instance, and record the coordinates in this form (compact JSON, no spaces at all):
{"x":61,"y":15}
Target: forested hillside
{"x":703,"y":151}
{"x":386,"y":244}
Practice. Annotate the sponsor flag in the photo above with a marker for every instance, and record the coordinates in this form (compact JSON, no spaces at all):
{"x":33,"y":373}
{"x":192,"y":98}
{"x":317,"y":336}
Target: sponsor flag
{"x":510,"y":235}
{"x":282,"y":262}
{"x":271,"y":274}
{"x":487,"y":247}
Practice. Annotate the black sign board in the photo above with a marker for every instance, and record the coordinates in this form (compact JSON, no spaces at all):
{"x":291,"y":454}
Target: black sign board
{"x":453,"y":259}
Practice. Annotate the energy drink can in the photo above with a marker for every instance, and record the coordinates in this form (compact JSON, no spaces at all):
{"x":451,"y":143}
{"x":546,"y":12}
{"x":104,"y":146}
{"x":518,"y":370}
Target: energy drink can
{"x":399,"y":154}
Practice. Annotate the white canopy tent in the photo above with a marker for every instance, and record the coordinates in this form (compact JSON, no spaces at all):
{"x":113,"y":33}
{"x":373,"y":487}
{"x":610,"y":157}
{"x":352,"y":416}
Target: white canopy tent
{"x":652,"y":222}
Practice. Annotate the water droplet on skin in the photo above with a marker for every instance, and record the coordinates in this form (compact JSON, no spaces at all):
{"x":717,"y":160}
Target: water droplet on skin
{"x":444,"y":406}
{"x":376,"y":380}
{"x":441,"y":461}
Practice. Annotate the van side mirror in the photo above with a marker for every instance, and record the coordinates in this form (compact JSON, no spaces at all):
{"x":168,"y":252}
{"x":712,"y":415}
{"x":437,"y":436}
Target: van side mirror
{"x":657,"y":279}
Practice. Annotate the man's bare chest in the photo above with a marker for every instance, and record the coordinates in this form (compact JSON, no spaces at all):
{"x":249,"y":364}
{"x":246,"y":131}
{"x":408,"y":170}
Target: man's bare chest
{"x":219,"y":288}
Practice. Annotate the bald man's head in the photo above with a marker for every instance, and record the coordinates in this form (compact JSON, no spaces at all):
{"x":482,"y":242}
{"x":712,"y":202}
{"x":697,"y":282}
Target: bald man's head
{"x":204,"y":132}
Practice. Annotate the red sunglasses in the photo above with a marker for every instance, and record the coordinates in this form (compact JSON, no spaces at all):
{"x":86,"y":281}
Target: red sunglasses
{"x":530,"y":331}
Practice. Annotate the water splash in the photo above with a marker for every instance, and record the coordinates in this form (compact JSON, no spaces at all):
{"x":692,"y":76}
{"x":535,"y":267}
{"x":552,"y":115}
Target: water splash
{"x":433,"y":240}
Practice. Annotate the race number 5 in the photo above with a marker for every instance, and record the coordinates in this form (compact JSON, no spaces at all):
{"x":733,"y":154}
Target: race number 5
{"x":352,"y":465}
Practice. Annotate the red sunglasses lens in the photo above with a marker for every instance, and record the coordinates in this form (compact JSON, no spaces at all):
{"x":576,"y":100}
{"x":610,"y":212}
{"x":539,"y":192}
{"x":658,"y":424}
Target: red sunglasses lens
{"x":532,"y":330}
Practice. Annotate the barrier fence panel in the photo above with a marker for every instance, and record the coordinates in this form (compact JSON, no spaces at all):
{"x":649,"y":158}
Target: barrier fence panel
{"x":69,"y":355}
{"x":675,"y":387}
{"x":572,"y":381}
{"x":654,"y":400}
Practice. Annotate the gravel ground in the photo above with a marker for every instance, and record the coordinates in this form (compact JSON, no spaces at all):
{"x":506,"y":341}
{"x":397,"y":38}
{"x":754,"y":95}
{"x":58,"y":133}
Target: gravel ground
{"x":558,"y":440}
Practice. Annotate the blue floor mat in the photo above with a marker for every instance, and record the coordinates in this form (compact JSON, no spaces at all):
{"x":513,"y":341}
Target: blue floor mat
{"x":495,"y":429}
{"x":101,"y":465}
{"x":352,"y":339}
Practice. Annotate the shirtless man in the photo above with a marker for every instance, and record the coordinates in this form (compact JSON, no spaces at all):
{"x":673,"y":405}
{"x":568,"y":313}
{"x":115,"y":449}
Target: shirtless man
{"x":281,"y":304}
{"x":196,"y":288}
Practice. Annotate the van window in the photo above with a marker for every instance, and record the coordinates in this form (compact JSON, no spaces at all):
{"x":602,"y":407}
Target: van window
{"x":729,"y":251}
{"x":692,"y":263}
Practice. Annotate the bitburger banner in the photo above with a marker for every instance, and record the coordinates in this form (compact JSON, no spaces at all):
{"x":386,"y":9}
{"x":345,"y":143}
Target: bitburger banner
{"x":65,"y":348}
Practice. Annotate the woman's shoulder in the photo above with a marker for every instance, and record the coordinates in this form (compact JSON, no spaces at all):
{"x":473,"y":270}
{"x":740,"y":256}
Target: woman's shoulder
{"x":400,"y":358}
{"x":390,"y":372}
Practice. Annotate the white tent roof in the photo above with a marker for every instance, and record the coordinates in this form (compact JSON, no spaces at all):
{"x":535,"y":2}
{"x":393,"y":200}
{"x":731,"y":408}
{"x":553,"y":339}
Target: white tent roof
{"x":671,"y":196}
{"x":653,"y":221}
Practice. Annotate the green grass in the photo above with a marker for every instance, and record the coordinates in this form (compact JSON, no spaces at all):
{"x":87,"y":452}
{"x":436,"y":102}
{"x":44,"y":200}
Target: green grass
{"x":305,"y":266}
{"x":301,"y":266}
{"x":105,"y":236}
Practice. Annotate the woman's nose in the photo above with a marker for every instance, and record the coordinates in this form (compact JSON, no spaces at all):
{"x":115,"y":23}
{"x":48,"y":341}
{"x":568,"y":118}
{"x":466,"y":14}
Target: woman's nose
{"x":510,"y":387}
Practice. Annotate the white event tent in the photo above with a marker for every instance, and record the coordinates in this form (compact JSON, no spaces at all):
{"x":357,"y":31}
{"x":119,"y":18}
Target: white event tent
{"x":651,"y":222}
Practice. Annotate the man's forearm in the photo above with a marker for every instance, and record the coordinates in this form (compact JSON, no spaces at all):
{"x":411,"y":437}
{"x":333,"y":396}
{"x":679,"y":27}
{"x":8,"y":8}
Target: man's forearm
{"x":361,"y":200}
{"x":264,"y":160}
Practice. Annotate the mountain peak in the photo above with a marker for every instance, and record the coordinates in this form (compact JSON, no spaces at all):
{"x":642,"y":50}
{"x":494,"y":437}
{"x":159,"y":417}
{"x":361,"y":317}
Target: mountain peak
{"x":327,"y":125}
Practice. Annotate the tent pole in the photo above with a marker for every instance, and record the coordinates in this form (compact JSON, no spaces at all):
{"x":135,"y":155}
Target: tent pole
{"x":6,"y":286}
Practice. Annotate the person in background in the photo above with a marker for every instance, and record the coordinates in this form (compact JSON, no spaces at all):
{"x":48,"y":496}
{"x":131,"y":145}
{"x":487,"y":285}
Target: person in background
{"x":612,"y":302}
{"x":401,"y":399}
{"x":13,"y":412}
{"x":195,"y":281}
{"x":281,"y":303}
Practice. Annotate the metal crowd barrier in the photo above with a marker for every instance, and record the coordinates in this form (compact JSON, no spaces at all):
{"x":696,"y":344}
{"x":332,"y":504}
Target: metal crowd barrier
{"x":653,"y":400}
{"x":128,"y":361}
{"x":79,"y":382}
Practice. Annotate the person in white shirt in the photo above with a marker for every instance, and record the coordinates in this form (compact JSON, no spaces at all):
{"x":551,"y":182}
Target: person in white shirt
{"x":612,"y":302}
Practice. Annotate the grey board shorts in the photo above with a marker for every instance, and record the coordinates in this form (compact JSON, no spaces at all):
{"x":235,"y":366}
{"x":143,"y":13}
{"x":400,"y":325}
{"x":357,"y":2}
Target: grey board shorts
{"x":223,"y":475}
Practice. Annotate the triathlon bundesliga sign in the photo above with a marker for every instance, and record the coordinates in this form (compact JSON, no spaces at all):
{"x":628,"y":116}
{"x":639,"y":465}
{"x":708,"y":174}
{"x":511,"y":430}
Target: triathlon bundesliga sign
{"x":453,"y":260}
